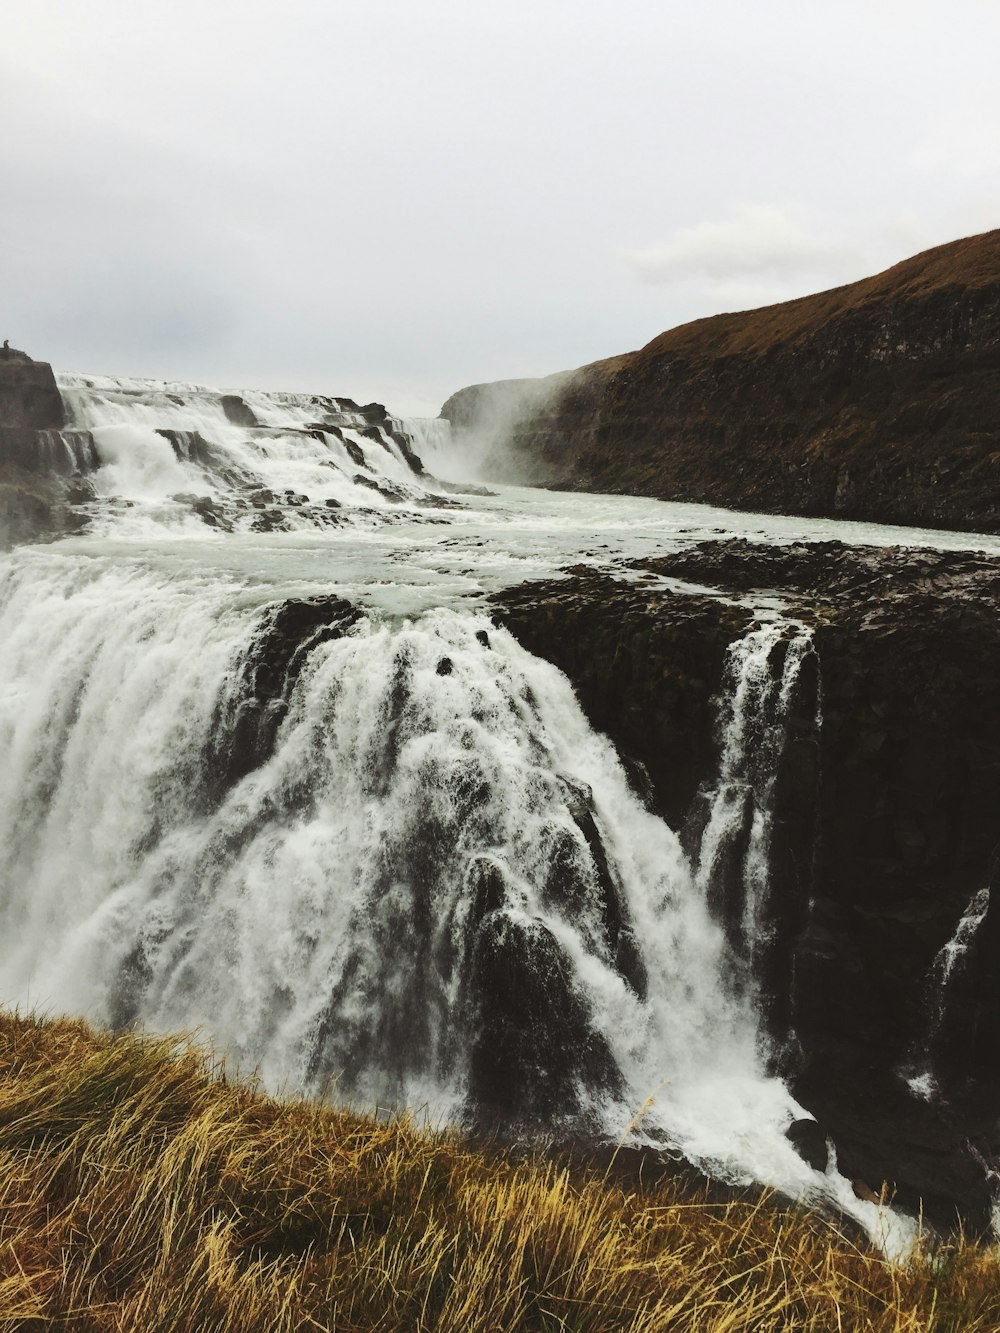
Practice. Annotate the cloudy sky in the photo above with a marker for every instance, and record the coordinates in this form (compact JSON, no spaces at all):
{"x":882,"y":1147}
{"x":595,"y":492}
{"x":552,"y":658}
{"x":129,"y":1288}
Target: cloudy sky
{"x":394,"y":198}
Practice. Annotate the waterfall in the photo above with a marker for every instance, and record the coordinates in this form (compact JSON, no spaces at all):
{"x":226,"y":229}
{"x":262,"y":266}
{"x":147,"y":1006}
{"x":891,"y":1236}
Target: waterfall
{"x":387,"y":862}
{"x":762,"y":676}
{"x":266,"y":788}
{"x":181,"y":457}
{"x":432,"y":810}
{"x":920,"y":1072}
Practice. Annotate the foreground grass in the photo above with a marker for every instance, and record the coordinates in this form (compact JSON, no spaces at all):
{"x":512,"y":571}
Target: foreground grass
{"x":139,"y":1191}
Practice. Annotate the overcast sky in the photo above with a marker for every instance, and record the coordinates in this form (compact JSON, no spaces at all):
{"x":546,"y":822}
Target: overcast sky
{"x":394,"y":198}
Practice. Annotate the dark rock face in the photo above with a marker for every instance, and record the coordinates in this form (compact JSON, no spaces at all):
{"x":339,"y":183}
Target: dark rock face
{"x":237,"y":412}
{"x":28,"y":394}
{"x":809,"y":1141}
{"x":535,"y":1047}
{"x":37,"y":507}
{"x":245,"y":729}
{"x":646,"y":665}
{"x":879,"y":400}
{"x":39,"y":461}
{"x":884,"y":821}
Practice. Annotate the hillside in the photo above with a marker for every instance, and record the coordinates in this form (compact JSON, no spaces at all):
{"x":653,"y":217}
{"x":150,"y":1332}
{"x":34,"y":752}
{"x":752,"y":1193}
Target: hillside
{"x":879,"y":400}
{"x":142,"y":1191}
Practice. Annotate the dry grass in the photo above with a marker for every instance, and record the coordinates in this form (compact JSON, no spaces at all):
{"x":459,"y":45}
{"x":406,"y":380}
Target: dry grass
{"x":965,"y":265}
{"x":140,"y":1190}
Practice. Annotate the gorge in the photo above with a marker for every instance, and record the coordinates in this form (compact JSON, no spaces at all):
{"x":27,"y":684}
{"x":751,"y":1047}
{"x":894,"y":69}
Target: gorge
{"x":411,"y":787}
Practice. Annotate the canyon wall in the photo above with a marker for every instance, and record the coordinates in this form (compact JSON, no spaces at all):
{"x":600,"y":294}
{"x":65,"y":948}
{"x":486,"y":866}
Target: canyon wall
{"x":879,"y":400}
{"x":884,"y":806}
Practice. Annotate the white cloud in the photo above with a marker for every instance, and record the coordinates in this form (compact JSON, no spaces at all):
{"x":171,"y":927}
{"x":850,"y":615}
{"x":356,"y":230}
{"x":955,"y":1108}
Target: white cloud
{"x":757,"y":241}
{"x":422,"y":196}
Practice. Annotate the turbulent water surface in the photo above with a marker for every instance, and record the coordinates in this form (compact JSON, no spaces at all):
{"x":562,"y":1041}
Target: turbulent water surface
{"x":271,"y":773}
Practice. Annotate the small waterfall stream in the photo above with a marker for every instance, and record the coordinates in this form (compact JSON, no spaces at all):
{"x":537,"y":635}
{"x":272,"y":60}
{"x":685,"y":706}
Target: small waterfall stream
{"x":733,"y":860}
{"x":920,"y":1072}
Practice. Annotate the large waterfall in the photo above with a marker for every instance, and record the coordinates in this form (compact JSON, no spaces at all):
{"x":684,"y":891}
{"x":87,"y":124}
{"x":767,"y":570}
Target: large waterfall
{"x":280,"y":780}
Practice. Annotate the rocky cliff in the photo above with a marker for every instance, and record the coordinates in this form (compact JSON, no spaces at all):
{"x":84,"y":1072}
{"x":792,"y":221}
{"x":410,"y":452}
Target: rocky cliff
{"x":879,"y":400}
{"x":37,"y":466}
{"x":884,"y":821}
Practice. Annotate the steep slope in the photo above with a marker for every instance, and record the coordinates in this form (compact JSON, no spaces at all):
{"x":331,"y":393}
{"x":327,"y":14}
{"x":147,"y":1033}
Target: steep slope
{"x":878,"y":400}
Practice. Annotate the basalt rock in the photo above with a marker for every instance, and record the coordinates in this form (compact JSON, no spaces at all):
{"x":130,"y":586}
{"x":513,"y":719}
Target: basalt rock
{"x":535,"y":1049}
{"x":237,"y":412}
{"x":40,"y":462}
{"x":647,"y":665}
{"x":878,"y":400}
{"x":247,"y":720}
{"x":29,"y":396}
{"x":33,"y":508}
{"x":809,"y":1141}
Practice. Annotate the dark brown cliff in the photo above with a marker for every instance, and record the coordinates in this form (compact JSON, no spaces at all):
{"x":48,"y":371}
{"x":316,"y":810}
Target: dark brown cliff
{"x":37,"y":467}
{"x":879,"y":400}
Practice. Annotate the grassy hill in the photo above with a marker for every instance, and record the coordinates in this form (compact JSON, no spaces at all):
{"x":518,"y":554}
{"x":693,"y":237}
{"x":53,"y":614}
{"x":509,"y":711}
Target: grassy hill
{"x":878,"y":400}
{"x":140,"y":1189}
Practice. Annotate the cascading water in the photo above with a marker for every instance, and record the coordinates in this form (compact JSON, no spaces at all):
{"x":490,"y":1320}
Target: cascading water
{"x":435,"y":809}
{"x":763,"y":674}
{"x":920,"y":1074}
{"x":183,"y":457}
{"x":267,"y":788}
{"x":435,"y":888}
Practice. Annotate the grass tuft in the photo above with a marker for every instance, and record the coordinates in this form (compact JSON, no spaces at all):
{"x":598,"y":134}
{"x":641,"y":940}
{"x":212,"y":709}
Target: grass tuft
{"x":140,"y":1190}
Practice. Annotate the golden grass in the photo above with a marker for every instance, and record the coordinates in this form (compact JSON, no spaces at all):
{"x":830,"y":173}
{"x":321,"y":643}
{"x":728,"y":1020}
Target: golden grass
{"x":139,"y":1190}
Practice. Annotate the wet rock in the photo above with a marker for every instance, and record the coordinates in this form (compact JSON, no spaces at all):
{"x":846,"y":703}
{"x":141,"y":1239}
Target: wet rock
{"x":809,"y":1141}
{"x":34,"y":508}
{"x":246,"y":723}
{"x":384,"y":489}
{"x":486,"y":886}
{"x":405,"y":446}
{"x":646,"y":665}
{"x":29,"y":397}
{"x":269,"y":520}
{"x":536,"y":1054}
{"x":862,"y":1190}
{"x":883,"y":818}
{"x":190,"y":446}
{"x":237,"y":412}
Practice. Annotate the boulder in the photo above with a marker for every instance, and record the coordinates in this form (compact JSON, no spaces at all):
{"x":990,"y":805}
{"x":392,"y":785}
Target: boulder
{"x":809,"y":1141}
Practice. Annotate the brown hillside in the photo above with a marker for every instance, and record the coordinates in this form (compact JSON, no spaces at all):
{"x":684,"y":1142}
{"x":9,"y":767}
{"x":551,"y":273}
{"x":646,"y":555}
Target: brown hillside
{"x":968,"y":264}
{"x":878,"y":400}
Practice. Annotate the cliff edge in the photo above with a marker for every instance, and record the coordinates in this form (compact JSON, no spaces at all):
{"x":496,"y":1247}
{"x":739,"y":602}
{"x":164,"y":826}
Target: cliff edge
{"x":879,"y":400}
{"x":33,"y":493}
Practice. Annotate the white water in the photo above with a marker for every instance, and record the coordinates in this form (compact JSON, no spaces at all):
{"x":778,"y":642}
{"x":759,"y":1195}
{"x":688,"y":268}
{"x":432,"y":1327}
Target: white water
{"x":753,"y":724}
{"x":306,"y":446}
{"x":921,"y":1077}
{"x":315,"y":921}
